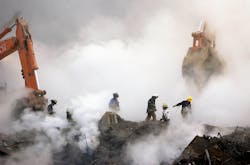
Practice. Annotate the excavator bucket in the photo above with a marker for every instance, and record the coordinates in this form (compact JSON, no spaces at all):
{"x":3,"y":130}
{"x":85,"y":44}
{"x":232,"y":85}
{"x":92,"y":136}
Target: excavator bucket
{"x":202,"y":60}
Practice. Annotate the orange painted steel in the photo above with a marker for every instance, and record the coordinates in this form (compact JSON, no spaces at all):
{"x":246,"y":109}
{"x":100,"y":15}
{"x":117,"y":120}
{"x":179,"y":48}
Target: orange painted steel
{"x":22,"y":43}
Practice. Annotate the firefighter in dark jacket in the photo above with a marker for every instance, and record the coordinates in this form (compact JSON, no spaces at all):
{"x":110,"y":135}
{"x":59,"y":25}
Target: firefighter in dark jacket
{"x":69,"y":116}
{"x":185,"y":106}
{"x":151,"y":108}
{"x":50,"y":107}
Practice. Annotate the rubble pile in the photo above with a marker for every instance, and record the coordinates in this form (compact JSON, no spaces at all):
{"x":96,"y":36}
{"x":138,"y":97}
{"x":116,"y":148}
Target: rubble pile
{"x":14,"y":143}
{"x":231,"y":149}
{"x":116,"y":133}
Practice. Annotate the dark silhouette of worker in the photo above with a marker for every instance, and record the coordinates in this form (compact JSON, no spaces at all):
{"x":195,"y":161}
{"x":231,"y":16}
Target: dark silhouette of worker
{"x":151,"y":108}
{"x":69,"y":116}
{"x":50,"y":107}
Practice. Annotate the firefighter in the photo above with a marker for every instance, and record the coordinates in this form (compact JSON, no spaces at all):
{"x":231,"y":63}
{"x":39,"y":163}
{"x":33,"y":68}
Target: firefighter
{"x":114,"y":103}
{"x":165,"y":114}
{"x":151,"y":108}
{"x":69,"y":116}
{"x":185,"y":106}
{"x":50,"y":107}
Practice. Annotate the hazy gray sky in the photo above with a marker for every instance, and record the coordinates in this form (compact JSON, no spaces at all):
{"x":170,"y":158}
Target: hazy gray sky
{"x":60,"y":22}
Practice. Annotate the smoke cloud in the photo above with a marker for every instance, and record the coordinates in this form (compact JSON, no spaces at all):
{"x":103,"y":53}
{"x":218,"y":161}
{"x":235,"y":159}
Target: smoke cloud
{"x":165,"y":147}
{"x":69,"y":21}
{"x":37,"y":154}
{"x":88,"y":50}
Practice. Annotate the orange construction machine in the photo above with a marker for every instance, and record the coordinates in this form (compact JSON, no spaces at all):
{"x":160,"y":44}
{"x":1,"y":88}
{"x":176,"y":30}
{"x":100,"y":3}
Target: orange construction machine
{"x":202,"y":60}
{"x":22,"y":43}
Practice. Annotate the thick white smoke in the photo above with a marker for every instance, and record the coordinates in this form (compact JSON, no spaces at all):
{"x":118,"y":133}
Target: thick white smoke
{"x":38,"y":154}
{"x":86,"y":111}
{"x":165,"y":147}
{"x":55,"y":132}
{"x":151,"y":63}
{"x":7,"y":103}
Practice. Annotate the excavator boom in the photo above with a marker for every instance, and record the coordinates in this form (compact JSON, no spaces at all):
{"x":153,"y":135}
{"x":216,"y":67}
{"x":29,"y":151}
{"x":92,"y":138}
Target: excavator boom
{"x":4,"y":32}
{"x":26,"y":54}
{"x":23,"y":44}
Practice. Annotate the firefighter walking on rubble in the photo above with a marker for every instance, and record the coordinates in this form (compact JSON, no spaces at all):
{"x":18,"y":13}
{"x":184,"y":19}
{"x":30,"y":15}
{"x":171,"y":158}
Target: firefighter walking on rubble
{"x":50,"y":107}
{"x":185,"y":106}
{"x":151,"y":108}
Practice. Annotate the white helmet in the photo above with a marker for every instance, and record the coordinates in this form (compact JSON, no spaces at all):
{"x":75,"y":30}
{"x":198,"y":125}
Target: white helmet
{"x":165,"y":106}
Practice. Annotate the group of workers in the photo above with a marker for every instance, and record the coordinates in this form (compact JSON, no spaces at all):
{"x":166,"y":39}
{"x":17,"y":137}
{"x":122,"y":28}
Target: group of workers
{"x":51,"y":111}
{"x":151,"y":108}
{"x":185,"y":107}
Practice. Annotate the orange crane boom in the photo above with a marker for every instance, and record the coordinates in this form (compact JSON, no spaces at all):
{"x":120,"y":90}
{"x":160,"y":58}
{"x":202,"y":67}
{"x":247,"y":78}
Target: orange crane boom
{"x":22,"y":43}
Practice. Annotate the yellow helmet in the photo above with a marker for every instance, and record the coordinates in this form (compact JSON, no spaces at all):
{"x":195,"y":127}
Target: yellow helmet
{"x":164,"y":106}
{"x":189,"y":98}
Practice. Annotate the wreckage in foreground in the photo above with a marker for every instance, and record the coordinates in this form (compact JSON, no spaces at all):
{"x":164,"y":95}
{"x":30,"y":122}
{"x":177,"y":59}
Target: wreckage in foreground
{"x":233,"y":149}
{"x":116,"y":133}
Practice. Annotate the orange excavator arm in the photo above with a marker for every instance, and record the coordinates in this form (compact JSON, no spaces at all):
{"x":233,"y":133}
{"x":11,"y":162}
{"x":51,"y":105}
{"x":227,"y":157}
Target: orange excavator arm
{"x":23,"y":44}
{"x":4,"y":32}
{"x":7,"y":47}
{"x":26,"y":54}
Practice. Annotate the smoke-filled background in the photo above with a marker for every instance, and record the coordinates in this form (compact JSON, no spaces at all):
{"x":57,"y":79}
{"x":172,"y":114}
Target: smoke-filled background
{"x":86,"y":50}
